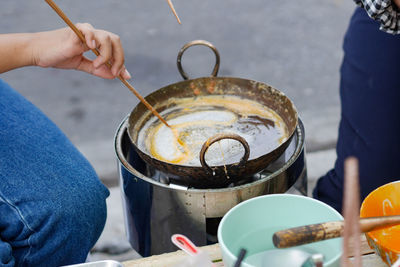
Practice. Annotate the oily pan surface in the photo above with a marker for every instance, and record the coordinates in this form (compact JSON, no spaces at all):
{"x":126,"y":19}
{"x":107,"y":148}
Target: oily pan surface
{"x":265,"y":102}
{"x":196,"y":119}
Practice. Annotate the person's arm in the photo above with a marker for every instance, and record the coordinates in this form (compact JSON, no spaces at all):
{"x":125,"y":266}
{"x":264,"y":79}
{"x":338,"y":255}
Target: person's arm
{"x":386,"y":12}
{"x":63,"y":49}
{"x":14,"y":51}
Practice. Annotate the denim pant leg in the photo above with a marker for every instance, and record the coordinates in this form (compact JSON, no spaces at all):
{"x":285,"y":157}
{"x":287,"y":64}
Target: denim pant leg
{"x":52,"y":204}
{"x":370,"y":125}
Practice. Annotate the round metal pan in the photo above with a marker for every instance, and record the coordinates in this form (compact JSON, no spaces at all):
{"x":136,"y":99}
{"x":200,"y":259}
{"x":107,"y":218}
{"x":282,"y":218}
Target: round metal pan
{"x":206,"y":176}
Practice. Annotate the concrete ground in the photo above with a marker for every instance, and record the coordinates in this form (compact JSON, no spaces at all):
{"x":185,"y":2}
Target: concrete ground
{"x":293,"y":45}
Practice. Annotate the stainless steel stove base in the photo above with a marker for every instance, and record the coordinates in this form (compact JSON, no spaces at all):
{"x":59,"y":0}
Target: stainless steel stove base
{"x":155,"y":210}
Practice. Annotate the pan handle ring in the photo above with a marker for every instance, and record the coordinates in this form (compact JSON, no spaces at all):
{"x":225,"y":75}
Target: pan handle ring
{"x":219,"y":137}
{"x":193,"y":43}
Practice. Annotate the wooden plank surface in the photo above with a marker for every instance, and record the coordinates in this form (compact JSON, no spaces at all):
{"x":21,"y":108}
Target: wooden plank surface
{"x":372,"y":260}
{"x":173,"y":259}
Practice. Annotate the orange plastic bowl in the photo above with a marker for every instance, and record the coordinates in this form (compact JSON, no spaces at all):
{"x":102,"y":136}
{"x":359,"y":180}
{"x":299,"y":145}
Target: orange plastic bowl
{"x":384,"y":201}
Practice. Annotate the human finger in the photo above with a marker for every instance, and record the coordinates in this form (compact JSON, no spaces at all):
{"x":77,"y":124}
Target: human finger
{"x":104,"y":46}
{"x":110,"y":49}
{"x":102,"y":71}
{"x":88,"y":32}
{"x":125,"y":74}
{"x":117,"y":55}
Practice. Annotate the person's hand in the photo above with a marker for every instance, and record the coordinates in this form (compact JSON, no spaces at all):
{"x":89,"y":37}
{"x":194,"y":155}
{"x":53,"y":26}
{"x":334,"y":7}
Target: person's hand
{"x":397,"y":2}
{"x":63,"y":49}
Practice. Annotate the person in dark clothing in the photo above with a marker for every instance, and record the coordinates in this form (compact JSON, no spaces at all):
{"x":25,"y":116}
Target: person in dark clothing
{"x":369,"y":92}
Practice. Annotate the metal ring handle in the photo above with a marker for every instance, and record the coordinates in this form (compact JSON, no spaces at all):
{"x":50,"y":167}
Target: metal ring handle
{"x":193,"y":43}
{"x":219,"y":137}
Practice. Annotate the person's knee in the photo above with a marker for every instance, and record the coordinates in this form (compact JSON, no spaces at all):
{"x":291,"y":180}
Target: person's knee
{"x":72,"y":227}
{"x":85,"y":209}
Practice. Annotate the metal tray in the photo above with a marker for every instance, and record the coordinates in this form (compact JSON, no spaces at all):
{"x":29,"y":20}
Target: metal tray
{"x":106,"y":263}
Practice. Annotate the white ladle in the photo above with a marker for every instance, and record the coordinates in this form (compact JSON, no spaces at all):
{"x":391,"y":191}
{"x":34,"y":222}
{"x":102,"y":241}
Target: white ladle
{"x":285,"y":257}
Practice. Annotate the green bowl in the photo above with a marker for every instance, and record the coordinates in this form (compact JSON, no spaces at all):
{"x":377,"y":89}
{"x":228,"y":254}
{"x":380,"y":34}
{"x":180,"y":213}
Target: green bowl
{"x":251,"y":224}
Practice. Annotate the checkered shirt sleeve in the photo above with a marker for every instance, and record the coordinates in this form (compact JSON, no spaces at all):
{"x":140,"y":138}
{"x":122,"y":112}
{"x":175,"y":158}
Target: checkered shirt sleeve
{"x":384,"y":11}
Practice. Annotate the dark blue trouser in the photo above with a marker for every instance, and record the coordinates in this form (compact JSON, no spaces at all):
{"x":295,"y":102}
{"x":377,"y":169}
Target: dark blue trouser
{"x":52,"y":204}
{"x":370,"y":101}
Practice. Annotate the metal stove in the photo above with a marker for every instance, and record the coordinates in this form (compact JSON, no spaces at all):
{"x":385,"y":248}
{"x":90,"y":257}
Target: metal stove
{"x":157,"y":206}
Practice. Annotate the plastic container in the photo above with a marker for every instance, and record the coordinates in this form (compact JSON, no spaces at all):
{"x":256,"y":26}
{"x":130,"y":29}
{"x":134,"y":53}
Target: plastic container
{"x":384,"y":201}
{"x":251,"y":224}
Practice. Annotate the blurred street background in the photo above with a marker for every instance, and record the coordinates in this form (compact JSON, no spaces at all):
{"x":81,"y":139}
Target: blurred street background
{"x":294,"y":46}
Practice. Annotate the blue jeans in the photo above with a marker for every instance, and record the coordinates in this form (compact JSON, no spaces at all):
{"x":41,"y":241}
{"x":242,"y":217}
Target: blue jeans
{"x":370,"y":125}
{"x":52,"y":204}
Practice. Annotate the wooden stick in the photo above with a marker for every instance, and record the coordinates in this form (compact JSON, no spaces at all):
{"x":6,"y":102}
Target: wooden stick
{"x":173,"y":11}
{"x":351,"y":207}
{"x":297,"y":236}
{"x":97,"y":53}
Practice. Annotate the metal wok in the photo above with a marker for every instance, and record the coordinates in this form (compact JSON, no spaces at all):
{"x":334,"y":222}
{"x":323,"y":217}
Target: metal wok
{"x":206,"y":176}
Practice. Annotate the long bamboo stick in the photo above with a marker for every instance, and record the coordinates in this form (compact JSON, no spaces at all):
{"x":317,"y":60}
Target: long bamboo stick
{"x":97,"y":53}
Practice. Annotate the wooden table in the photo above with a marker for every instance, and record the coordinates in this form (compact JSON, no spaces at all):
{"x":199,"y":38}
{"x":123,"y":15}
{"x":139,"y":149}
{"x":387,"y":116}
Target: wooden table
{"x":369,"y":258}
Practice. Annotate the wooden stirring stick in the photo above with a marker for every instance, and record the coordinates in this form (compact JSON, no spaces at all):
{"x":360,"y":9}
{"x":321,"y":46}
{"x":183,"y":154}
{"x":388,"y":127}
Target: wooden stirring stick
{"x":351,"y":207}
{"x":301,"y":235}
{"x":173,"y":11}
{"x":97,"y":53}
